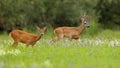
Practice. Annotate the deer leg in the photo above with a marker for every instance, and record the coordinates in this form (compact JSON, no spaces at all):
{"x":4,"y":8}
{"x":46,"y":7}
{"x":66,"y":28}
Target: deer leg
{"x":32,"y":45}
{"x":57,"y":38}
{"x":27,"y":45}
{"x":76,"y":40}
{"x":15,"y":44}
{"x":53,"y":40}
{"x":70,"y":38}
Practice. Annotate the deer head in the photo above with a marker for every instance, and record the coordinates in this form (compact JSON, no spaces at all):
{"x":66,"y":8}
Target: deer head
{"x":41,"y":30}
{"x":84,"y":21}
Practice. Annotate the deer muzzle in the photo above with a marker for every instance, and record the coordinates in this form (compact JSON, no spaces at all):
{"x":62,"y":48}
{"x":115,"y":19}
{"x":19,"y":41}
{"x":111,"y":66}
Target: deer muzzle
{"x":41,"y":33}
{"x":87,"y":25}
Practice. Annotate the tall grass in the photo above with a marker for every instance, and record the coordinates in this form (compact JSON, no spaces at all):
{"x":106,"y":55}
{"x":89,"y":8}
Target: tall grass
{"x":61,"y":54}
{"x":95,"y":49}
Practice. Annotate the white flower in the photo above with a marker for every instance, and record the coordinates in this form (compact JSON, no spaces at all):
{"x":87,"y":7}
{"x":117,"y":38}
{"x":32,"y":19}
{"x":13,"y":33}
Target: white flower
{"x":2,"y":52}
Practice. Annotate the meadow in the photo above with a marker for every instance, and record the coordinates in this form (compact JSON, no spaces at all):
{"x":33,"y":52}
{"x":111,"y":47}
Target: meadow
{"x":101,"y":50}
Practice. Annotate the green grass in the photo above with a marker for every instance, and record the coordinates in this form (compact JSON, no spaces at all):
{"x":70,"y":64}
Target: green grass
{"x":101,"y":51}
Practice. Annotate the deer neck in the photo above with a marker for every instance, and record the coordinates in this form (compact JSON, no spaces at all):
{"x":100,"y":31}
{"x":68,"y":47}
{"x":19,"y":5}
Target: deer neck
{"x":81,"y":28}
{"x":38,"y":37}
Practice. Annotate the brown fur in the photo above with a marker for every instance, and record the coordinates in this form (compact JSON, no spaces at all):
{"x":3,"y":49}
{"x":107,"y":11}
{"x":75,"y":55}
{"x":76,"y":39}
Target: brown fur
{"x":70,"y":32}
{"x":24,"y":37}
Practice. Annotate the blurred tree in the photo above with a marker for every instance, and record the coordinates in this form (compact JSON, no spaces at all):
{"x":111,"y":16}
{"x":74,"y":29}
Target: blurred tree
{"x":26,"y":13}
{"x":109,"y":13}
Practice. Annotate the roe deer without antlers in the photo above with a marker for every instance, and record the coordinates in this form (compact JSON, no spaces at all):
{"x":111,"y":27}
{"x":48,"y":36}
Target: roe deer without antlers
{"x":27,"y":38}
{"x":71,"y":32}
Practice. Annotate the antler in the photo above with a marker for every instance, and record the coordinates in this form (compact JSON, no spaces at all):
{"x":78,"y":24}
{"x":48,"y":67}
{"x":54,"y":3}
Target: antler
{"x":84,"y":14}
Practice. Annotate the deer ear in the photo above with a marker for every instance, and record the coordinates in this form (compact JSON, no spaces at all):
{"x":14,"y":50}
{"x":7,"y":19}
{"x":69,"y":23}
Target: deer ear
{"x":38,"y":28}
{"x":45,"y":28}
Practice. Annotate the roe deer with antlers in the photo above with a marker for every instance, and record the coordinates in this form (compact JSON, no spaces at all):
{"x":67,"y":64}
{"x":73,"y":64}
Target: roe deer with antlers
{"x":71,"y":32}
{"x":27,"y":38}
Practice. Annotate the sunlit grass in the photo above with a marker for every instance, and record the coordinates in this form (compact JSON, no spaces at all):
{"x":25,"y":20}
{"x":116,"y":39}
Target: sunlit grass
{"x":88,"y":52}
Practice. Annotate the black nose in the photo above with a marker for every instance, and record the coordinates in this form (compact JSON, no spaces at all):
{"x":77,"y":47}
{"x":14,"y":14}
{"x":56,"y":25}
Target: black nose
{"x":42,"y":33}
{"x":88,"y":26}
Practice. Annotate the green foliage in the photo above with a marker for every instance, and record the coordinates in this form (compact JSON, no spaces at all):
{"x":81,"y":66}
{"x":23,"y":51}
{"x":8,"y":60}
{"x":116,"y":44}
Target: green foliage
{"x":22,"y":14}
{"x":54,"y":13}
{"x":93,"y":30}
{"x":109,"y":13}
